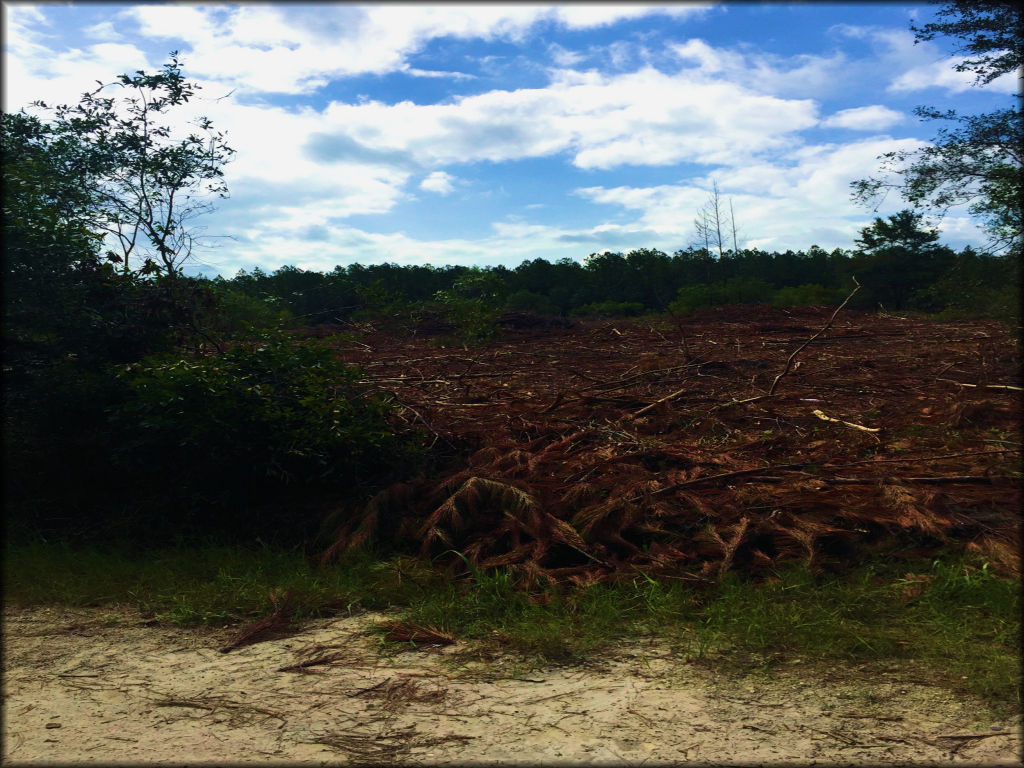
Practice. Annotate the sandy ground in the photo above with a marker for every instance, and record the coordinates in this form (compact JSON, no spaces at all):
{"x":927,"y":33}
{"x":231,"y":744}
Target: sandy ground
{"x":84,"y":686}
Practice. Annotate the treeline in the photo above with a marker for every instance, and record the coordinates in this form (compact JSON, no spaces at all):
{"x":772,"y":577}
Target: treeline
{"x":900,"y":266}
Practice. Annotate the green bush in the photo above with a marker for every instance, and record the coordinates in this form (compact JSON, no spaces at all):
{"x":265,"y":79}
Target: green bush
{"x":735,"y":290}
{"x":473,"y":304}
{"x":970,"y":300}
{"x":611,"y":309}
{"x":237,"y":312}
{"x":224,"y":432}
{"x":807,"y":295}
{"x":528,"y":301}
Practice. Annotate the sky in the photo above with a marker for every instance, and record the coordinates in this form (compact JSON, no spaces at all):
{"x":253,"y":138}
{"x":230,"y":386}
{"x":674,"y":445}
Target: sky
{"x":491,"y":134}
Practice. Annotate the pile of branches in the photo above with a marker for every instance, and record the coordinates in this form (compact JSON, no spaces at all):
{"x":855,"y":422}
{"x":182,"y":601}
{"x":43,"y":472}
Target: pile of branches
{"x":550,"y":511}
{"x":579,"y":478}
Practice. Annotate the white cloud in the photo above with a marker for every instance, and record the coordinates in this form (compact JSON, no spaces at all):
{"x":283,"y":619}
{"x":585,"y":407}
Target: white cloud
{"x":941,"y":74}
{"x":563,"y":57}
{"x":582,"y":16}
{"x":105,"y":31}
{"x":298,"y":170}
{"x":62,"y":77}
{"x":439,"y":182}
{"x":921,"y":65}
{"x":873,"y":118}
{"x":297,"y":48}
{"x":803,"y":74}
{"x":642,"y":118}
{"x":769,"y":198}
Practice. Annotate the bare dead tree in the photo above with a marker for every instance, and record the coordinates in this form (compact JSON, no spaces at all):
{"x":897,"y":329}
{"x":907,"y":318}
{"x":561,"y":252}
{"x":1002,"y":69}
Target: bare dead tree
{"x":711,"y":220}
{"x":732,"y":221}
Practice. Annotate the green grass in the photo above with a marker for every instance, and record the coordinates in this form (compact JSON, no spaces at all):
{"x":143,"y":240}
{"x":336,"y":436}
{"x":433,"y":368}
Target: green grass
{"x":953,"y":615}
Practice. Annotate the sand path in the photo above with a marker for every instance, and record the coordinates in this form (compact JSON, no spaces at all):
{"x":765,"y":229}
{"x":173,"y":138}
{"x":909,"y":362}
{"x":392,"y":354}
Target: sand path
{"x":81,"y":685}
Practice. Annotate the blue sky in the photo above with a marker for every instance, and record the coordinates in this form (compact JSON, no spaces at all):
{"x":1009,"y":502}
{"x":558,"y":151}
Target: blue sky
{"x":489,"y":134}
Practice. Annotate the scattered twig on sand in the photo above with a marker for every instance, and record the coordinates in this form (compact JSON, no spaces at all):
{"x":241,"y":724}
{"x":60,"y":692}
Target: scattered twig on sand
{"x":303,"y":665}
{"x":272,"y":627}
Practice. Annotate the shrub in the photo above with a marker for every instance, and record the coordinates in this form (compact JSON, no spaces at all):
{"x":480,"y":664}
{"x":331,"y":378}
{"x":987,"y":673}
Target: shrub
{"x":611,"y":309}
{"x":473,"y":305}
{"x":807,"y":295}
{"x":223,"y":431}
{"x":528,"y":301}
{"x":236,"y":312}
{"x":735,"y":290}
{"x":691,"y":297}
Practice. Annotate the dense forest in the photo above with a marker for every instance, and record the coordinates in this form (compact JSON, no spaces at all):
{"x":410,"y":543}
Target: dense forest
{"x":900,"y":265}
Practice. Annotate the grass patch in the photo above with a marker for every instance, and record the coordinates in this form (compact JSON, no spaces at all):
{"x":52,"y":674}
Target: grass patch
{"x":951,"y":613}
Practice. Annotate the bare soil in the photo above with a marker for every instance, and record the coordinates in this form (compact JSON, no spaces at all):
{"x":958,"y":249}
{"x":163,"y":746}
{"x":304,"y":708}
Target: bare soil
{"x":90,"y":685}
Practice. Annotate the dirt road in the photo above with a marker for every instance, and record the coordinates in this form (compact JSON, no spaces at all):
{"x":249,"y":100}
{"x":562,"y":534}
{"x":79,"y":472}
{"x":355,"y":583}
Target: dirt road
{"x":88,"y":686}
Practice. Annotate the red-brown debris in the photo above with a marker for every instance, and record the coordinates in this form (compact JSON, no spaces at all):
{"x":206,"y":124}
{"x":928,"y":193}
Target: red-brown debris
{"x":567,"y":472}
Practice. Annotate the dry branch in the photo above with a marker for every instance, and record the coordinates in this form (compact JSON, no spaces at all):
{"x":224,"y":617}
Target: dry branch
{"x":850,"y":424}
{"x":984,"y":386}
{"x":665,"y":399}
{"x":798,"y":350}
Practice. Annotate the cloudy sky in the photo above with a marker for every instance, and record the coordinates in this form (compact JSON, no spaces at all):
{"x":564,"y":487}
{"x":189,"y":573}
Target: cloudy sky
{"x":489,"y":134}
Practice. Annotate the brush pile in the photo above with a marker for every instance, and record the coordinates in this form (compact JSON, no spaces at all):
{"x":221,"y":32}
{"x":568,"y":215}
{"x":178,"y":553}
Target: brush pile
{"x":590,"y":452}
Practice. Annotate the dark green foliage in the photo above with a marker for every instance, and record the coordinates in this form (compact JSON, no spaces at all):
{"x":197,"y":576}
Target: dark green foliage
{"x":975,"y":286}
{"x":897,"y":263}
{"x":473,"y":304}
{"x":898,"y":256}
{"x":807,"y":295}
{"x":237,"y":313}
{"x":527,"y":301}
{"x":735,"y":290}
{"x":989,"y":29}
{"x":977,"y":163}
{"x":218,"y":431}
{"x":611,"y":309}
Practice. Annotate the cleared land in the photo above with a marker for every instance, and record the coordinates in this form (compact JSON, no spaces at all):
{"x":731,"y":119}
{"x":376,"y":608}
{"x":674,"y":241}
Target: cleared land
{"x":611,"y":446}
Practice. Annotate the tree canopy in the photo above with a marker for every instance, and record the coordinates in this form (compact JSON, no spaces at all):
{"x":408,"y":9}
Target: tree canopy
{"x":977,"y":162}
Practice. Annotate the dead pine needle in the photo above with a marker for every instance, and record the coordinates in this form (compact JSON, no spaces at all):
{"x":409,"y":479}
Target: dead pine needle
{"x":272,"y":627}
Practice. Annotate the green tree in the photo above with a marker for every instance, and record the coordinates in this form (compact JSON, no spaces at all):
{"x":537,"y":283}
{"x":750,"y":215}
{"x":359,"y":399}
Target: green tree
{"x":474,"y":303}
{"x":988,"y":29}
{"x":897,"y":257}
{"x":145,"y":186}
{"x":978,"y":162}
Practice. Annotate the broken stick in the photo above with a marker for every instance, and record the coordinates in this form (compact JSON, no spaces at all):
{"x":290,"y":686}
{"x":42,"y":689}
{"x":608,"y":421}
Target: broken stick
{"x":850,"y":424}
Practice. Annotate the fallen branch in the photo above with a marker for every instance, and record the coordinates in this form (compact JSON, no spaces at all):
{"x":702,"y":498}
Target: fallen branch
{"x":665,"y":399}
{"x":972,"y":735}
{"x":850,"y":424}
{"x":984,"y":386}
{"x":310,"y":663}
{"x":921,"y":458}
{"x":936,"y":480}
{"x":792,"y":357}
{"x":802,"y":347}
{"x":361,"y":691}
{"x":722,"y":476}
{"x":931,"y":479}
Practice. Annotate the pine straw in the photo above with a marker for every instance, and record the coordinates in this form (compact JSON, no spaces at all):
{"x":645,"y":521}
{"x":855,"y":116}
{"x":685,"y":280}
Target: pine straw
{"x":240,"y":713}
{"x":411,"y":632}
{"x":276,"y":625}
{"x":383,"y":748}
{"x":568,"y":483}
